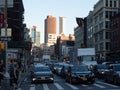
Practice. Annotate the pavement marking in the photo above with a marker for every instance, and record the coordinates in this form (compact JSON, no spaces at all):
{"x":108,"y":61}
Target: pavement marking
{"x":58,"y":86}
{"x":112,"y":89}
{"x":45,"y":87}
{"x":25,"y":79}
{"x":73,"y":87}
{"x":84,"y":85}
{"x":19,"y":89}
{"x":107,"y":84}
{"x":32,"y":88}
{"x":100,"y":86}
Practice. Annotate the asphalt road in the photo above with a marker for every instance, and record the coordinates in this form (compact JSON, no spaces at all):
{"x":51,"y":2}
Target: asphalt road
{"x":60,"y":84}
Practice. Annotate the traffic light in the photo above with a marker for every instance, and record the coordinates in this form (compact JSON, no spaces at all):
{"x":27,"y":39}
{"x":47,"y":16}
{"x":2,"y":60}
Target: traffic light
{"x":2,"y":46}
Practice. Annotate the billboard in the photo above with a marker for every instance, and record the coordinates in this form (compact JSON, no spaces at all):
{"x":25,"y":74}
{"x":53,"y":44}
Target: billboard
{"x":9,"y":3}
{"x":86,"y":51}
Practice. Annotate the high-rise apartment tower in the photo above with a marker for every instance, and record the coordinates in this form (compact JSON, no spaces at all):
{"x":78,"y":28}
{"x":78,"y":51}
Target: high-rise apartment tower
{"x":50,"y":26}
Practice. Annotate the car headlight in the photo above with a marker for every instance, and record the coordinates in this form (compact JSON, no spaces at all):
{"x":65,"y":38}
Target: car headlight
{"x":103,"y":72}
{"x":33,"y":79}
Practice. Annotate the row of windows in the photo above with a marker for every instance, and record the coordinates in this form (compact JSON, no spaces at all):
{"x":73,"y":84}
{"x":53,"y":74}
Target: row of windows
{"x":111,"y":3}
{"x":100,"y":36}
{"x":100,"y":47}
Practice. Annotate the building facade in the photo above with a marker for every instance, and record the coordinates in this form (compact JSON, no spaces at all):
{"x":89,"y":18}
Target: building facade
{"x":33,"y":34}
{"x":50,"y":26}
{"x":61,"y":25}
{"x":103,"y":11}
{"x":115,"y":38}
{"x":90,"y":31}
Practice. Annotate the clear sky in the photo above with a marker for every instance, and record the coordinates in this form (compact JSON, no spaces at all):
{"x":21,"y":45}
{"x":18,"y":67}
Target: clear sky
{"x":36,"y":12}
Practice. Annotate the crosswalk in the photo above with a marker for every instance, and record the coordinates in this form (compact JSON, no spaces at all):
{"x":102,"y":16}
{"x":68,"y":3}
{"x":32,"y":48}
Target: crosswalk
{"x":60,"y":86}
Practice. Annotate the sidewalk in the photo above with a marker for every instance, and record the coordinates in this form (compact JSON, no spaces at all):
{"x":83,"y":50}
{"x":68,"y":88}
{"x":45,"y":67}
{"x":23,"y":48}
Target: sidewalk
{"x":5,"y":82}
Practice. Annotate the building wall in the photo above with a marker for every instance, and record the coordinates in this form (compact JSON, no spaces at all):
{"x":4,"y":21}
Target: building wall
{"x":103,"y":11}
{"x":90,"y":32}
{"x":61,"y":25}
{"x":33,"y":34}
{"x":50,"y":26}
{"x":115,"y":37}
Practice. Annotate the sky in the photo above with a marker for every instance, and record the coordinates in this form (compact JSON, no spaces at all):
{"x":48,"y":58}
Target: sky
{"x":36,"y":11}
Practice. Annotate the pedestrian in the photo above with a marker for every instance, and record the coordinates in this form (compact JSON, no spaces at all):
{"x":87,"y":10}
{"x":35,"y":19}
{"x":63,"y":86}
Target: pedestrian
{"x":1,"y":71}
{"x":11,"y":71}
{"x":16,"y":75}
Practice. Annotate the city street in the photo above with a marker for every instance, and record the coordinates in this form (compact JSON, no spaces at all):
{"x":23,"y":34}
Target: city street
{"x":60,"y":84}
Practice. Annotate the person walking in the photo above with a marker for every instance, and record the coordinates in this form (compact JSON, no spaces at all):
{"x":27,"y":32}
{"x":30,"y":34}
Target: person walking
{"x":16,"y":75}
{"x":11,"y":71}
{"x":1,"y":71}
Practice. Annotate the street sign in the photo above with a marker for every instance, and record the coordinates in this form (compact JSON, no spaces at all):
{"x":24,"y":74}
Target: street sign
{"x":5,"y":38}
{"x":9,"y":3}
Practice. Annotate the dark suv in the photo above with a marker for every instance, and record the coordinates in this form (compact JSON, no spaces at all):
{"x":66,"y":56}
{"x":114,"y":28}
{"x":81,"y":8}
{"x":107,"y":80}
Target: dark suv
{"x":99,"y":70}
{"x":113,"y":74}
{"x":79,"y":74}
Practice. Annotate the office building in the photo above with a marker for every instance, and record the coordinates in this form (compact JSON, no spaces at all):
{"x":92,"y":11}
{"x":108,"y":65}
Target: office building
{"x":50,"y":27}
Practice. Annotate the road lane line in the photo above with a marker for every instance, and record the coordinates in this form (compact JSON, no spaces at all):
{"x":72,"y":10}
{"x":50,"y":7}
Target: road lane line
{"x":45,"y":87}
{"x":73,"y":87}
{"x":100,"y":86}
{"x":107,"y":84}
{"x":58,"y":86}
{"x":32,"y":88}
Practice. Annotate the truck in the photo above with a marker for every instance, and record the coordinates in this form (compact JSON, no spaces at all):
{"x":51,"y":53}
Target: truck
{"x":46,"y":58}
{"x":86,"y":56}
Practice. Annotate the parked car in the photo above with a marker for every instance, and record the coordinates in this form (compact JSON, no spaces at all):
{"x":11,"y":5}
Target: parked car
{"x":79,"y":74}
{"x":99,"y":70}
{"x":41,"y":73}
{"x":113,"y":74}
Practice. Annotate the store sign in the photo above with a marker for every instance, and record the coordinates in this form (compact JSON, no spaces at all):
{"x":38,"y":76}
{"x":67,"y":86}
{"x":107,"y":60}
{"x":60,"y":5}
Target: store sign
{"x":9,"y":3}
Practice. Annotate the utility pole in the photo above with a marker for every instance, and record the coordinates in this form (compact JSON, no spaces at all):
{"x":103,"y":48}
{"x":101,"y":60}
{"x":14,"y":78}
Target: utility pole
{"x":5,"y":18}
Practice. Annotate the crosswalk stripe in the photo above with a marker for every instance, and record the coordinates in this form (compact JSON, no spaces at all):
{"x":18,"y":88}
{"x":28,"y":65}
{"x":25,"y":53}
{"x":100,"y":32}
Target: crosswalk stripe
{"x":32,"y":88}
{"x":84,"y":85}
{"x":100,"y":86}
{"x":73,"y":87}
{"x":19,"y":89}
{"x":58,"y":86}
{"x":107,"y":84}
{"x":45,"y":87}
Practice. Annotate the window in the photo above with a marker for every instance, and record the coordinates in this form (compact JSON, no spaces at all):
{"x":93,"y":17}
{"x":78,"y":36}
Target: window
{"x":107,"y":35}
{"x":115,"y":4}
{"x":107,"y":46}
{"x":106,"y":14}
{"x":101,"y":46}
{"x":110,"y":3}
{"x":107,"y":24}
{"x":101,"y":26}
{"x":106,"y":3}
{"x":101,"y":35}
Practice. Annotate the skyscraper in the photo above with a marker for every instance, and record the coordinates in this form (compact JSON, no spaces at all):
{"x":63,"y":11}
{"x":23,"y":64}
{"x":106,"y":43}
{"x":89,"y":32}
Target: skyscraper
{"x":33,"y":34}
{"x":61,"y":25}
{"x":50,"y":26}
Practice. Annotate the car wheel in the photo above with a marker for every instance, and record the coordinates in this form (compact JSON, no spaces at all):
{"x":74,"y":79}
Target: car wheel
{"x":106,"y":80}
{"x":66,"y":79}
{"x":115,"y":81}
{"x":70,"y":80}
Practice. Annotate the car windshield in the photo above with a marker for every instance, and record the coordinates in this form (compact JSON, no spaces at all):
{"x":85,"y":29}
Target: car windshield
{"x":41,"y":69}
{"x":101,"y":67}
{"x":117,"y":67}
{"x":79,"y":68}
